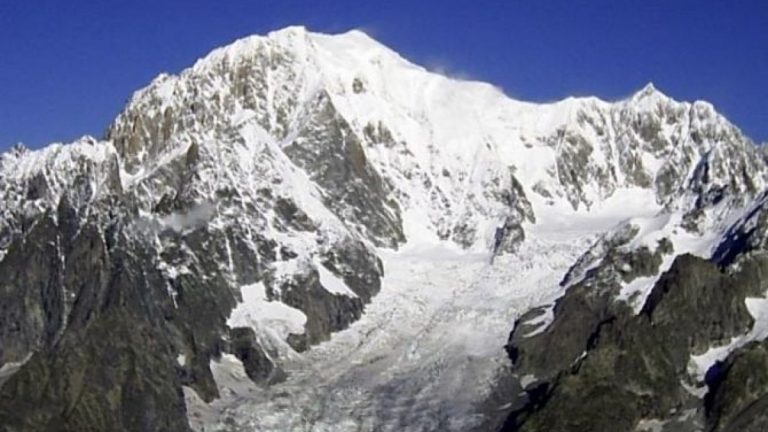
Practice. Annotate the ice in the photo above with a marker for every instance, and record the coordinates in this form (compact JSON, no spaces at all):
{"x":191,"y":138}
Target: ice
{"x":428,"y":348}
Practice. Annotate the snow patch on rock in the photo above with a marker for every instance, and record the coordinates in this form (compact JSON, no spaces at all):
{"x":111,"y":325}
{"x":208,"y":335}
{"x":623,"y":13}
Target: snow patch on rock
{"x":271,"y":318}
{"x":758,"y":308}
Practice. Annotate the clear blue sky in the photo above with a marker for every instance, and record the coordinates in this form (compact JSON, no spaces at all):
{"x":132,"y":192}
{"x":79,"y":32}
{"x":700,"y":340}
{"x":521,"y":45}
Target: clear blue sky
{"x":67,"y":67}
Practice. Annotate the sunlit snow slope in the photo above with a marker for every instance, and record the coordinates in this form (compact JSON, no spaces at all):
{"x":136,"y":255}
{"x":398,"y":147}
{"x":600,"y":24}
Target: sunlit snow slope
{"x":428,"y":354}
{"x":425,"y":355}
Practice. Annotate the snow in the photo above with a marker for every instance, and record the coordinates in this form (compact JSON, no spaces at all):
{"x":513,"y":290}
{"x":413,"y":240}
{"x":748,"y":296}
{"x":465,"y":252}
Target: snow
{"x":172,"y":272}
{"x":527,"y":380}
{"x":758,"y":308}
{"x":469,"y":129}
{"x":197,"y":216}
{"x":273,"y":319}
{"x":666,"y":225}
{"x":624,"y":204}
{"x":331,"y":282}
{"x":231,"y":381}
{"x":429,"y":346}
{"x":542,"y":321}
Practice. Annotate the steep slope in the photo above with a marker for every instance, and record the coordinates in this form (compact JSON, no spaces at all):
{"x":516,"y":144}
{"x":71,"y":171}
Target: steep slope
{"x":237,"y":213}
{"x":658,"y":316}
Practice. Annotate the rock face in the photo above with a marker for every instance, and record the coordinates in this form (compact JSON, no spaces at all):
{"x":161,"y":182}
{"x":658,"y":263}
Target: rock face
{"x":678,"y":362}
{"x":738,"y":398}
{"x":237,"y":208}
{"x":598,"y":357}
{"x":120,"y":319}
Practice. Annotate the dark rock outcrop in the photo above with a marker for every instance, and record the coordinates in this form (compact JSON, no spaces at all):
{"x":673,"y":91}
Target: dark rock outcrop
{"x":738,"y":400}
{"x":111,"y":364}
{"x":331,"y":153}
{"x":106,"y":304}
{"x":257,"y":363}
{"x":601,"y":367}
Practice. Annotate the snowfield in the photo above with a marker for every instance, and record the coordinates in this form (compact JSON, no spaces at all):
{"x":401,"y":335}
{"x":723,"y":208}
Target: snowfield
{"x":426,"y":351}
{"x":430,"y":347}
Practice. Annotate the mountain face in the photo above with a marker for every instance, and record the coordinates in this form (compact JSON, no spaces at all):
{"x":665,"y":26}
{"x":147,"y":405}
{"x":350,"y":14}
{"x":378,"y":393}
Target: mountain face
{"x":285,"y":188}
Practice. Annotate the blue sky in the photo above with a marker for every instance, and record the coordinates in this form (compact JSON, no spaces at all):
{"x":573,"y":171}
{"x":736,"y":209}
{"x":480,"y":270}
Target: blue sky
{"x":68,"y":67}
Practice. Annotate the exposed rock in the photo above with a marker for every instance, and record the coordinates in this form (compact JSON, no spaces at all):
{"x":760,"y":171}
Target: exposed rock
{"x":258,"y":365}
{"x":326,"y":312}
{"x":333,"y":156}
{"x":739,"y":399}
{"x":133,"y":388}
{"x":599,"y":366}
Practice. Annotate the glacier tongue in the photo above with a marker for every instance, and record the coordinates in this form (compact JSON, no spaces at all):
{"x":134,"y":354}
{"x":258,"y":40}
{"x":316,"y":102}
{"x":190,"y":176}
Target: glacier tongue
{"x":425,"y":354}
{"x":428,"y":353}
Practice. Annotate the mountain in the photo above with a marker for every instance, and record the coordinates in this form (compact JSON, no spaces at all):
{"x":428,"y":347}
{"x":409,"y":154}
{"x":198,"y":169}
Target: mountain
{"x":306,"y":230}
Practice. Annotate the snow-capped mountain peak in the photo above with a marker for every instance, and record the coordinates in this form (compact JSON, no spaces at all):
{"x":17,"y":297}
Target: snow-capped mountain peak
{"x":463,"y":148}
{"x":648,"y":91}
{"x":247,"y":207}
